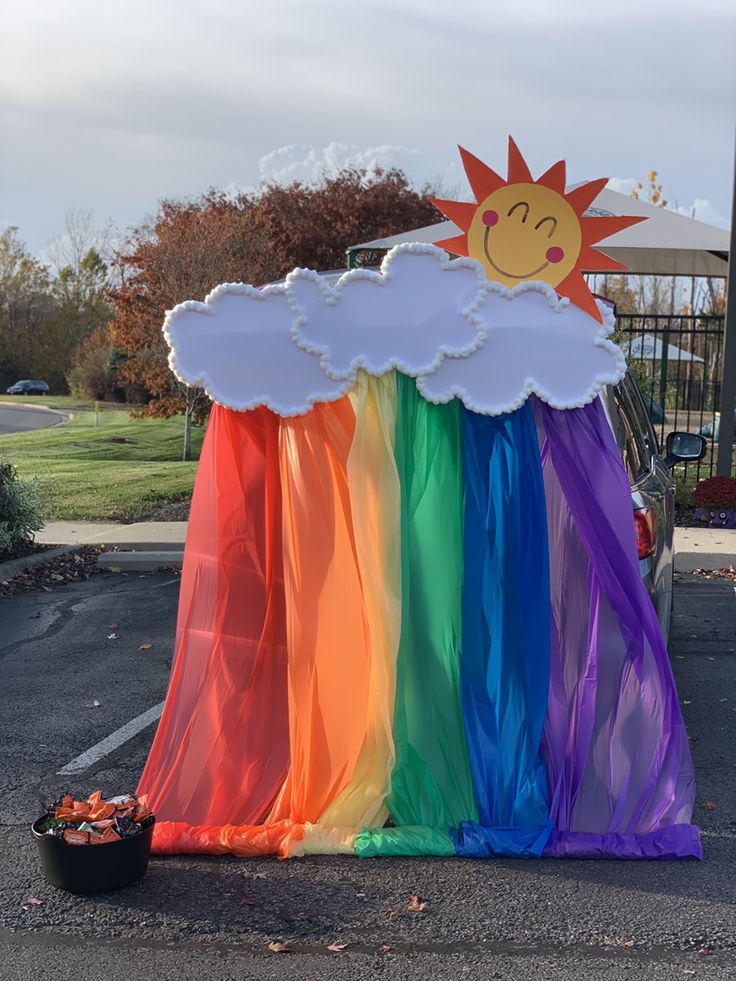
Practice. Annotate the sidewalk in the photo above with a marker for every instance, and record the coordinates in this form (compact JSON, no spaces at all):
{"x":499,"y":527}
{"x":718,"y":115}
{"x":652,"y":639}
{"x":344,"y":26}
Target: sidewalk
{"x":141,"y":536}
{"x":695,"y":548}
{"x":704,"y":548}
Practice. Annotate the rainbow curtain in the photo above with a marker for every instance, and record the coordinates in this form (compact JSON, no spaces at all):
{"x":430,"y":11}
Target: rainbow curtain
{"x":407,"y":629}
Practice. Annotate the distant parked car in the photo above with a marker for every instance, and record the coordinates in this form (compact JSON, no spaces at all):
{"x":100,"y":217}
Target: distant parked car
{"x":29,"y":387}
{"x":712,"y":430}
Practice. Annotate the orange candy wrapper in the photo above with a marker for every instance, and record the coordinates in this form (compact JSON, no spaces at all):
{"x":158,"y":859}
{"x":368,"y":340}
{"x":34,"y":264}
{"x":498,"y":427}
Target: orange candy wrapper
{"x":97,"y":821}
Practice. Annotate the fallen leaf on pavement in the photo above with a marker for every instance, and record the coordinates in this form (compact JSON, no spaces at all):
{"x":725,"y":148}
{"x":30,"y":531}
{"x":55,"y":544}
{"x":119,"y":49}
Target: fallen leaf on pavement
{"x":145,"y":647}
{"x":279,"y":948}
{"x":113,"y":626}
{"x":247,"y":901}
{"x":625,"y":944}
{"x":415,"y":905}
{"x":384,"y":949}
{"x":704,"y":952}
{"x":337,"y":947}
{"x":708,"y":805}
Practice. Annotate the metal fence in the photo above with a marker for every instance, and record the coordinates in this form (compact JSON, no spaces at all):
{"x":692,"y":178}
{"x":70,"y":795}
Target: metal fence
{"x":678,"y":363}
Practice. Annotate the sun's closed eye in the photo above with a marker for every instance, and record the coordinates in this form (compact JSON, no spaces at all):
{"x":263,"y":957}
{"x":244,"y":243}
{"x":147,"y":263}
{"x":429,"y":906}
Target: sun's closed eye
{"x":519,"y":204}
{"x":552,"y":227}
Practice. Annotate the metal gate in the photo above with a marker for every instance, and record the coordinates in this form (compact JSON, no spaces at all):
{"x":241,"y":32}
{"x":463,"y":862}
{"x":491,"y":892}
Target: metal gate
{"x":677,"y":362}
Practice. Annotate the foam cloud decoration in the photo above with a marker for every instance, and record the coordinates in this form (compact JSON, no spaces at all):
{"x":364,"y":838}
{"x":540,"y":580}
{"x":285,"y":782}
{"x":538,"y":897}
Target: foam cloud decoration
{"x":441,"y":321}
{"x":536,"y":342}
{"x":420,"y":308}
{"x":238,"y":346}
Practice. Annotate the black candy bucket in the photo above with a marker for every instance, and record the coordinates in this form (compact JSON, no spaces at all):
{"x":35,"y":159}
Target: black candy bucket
{"x":93,"y":868}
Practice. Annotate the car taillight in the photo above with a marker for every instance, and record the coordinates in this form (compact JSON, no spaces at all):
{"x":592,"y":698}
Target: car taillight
{"x":645,"y":520}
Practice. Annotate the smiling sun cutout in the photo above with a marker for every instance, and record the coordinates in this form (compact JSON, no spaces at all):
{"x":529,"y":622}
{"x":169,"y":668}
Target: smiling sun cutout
{"x":524,"y":230}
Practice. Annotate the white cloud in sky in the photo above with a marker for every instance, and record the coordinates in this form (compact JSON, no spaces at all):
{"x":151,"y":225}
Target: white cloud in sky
{"x":701,"y":209}
{"x":112,"y":107}
{"x":310,"y":164}
{"x":704,"y":210}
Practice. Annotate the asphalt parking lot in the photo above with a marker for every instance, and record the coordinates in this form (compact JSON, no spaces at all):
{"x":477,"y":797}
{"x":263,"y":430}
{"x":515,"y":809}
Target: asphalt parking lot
{"x":200,"y":917}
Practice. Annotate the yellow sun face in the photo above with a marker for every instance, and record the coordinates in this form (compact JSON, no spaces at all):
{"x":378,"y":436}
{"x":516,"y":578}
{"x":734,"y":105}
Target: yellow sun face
{"x":523,"y":230}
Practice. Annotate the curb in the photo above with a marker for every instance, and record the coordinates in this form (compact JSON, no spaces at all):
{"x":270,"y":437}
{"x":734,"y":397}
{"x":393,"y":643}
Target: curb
{"x":144,"y":561}
{"x":709,"y":561}
{"x":14,"y":567}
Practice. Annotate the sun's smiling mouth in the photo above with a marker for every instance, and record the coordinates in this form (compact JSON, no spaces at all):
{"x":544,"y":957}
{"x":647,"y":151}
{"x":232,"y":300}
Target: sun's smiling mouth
{"x":503,"y":272}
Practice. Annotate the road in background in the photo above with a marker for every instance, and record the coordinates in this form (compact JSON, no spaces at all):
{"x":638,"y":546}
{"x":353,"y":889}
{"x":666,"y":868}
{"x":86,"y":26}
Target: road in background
{"x":21,"y":418}
{"x":213,"y":917}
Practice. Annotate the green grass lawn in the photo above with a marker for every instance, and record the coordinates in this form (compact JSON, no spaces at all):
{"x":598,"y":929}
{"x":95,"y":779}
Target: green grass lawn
{"x":116,"y":472}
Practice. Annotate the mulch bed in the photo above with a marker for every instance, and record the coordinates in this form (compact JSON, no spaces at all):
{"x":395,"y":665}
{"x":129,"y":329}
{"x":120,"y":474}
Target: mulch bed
{"x":175,"y":511}
{"x":729,"y":573}
{"x":58,"y":571}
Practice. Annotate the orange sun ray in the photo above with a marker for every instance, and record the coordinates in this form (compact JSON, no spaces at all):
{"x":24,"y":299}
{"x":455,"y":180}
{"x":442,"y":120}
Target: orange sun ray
{"x":576,"y":290}
{"x":519,"y":173}
{"x":582,"y":197}
{"x":554,"y":178}
{"x":591,"y":260}
{"x":595,"y":229}
{"x":458,"y":211}
{"x":483,"y":181}
{"x":539,"y":233}
{"x":457,"y":245}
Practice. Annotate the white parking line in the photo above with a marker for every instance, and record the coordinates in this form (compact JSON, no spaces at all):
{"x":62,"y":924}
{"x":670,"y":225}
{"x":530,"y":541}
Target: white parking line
{"x":112,"y":742}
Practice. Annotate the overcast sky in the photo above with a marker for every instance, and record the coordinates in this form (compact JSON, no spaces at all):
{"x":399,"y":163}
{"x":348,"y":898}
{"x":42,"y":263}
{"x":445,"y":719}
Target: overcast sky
{"x":111,"y":107}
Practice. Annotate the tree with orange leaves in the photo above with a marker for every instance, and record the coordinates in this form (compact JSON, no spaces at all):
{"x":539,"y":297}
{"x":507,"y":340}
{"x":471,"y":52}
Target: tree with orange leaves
{"x":191,"y":247}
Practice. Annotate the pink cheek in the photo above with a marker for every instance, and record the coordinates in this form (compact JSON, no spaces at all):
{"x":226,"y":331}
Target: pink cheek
{"x":490,"y":218}
{"x":555,"y":254}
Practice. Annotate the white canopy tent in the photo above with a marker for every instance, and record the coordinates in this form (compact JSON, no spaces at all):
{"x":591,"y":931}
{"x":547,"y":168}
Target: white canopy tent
{"x":669,"y":244}
{"x":646,"y":347}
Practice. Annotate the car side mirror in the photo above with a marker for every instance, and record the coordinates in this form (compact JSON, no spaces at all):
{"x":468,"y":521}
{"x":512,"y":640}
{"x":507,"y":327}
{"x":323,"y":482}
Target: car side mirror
{"x":684,"y":448}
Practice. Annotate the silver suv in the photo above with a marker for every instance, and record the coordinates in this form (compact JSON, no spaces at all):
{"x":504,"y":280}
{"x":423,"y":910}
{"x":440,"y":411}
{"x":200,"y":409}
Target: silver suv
{"x":652,"y":487}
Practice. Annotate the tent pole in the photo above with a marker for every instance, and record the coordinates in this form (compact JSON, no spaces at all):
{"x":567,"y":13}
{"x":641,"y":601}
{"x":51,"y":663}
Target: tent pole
{"x":728,"y":378}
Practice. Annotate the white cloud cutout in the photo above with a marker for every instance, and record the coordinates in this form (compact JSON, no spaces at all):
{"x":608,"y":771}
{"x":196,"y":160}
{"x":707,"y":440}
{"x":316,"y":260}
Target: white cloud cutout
{"x":418,"y":309}
{"x":439,"y":320}
{"x":238,"y":346}
{"x":536,"y":343}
